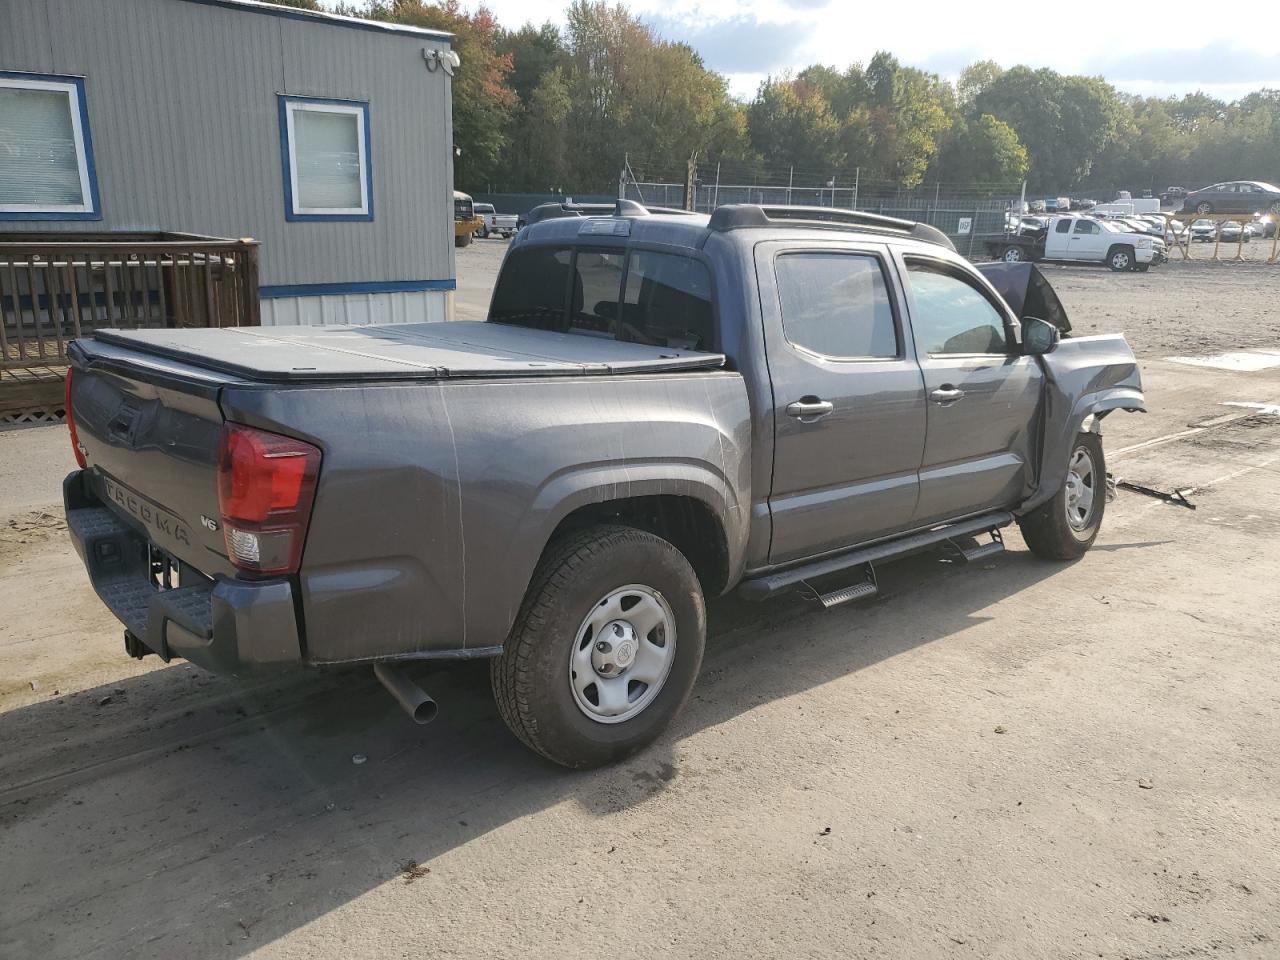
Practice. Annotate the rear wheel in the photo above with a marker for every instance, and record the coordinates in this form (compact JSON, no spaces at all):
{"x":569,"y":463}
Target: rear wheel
{"x":462,"y":240}
{"x":1066,"y":526}
{"x":606,"y":647}
{"x":1203,"y":207}
{"x":1013,"y":255}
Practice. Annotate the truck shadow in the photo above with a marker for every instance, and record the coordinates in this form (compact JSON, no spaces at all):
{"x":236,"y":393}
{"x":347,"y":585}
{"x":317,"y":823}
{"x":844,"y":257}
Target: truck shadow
{"x":178,"y":814}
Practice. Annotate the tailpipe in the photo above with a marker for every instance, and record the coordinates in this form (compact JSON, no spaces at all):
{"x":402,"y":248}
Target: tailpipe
{"x":415,"y":701}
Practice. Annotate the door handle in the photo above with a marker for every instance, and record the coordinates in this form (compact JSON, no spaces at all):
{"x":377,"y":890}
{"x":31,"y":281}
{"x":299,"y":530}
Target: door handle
{"x":946,"y":395}
{"x":809,"y":408}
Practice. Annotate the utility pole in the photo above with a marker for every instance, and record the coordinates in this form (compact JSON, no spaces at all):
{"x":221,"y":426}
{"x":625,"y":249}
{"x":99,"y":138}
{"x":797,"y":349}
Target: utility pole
{"x":622,"y":176}
{"x":857,"y":175}
{"x":791,"y":179}
{"x":690,"y":180}
{"x":716,"y":201}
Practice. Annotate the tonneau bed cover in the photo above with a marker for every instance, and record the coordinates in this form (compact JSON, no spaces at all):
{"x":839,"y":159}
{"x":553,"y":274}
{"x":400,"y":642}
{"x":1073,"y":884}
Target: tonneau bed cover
{"x":461,"y":348}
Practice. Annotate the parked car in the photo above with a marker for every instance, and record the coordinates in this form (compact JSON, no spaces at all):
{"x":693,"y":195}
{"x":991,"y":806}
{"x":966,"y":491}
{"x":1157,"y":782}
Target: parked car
{"x":654,"y":413}
{"x":1237,"y":196}
{"x":1173,"y":195}
{"x":1264,"y":226}
{"x":1082,"y":238}
{"x":465,"y":222}
{"x":494,"y":223}
{"x":1232,"y":232}
{"x":1175,"y":231}
{"x":1204,"y":231}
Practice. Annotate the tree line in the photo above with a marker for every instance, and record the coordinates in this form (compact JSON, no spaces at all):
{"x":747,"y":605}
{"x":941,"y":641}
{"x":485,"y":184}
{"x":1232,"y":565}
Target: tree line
{"x":548,"y":108}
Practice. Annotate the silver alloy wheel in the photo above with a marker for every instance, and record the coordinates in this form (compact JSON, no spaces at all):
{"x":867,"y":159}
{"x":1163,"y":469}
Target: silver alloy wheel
{"x":622,"y":654}
{"x":1080,"y":489}
{"x":1120,"y":260}
{"x":1013,"y":255}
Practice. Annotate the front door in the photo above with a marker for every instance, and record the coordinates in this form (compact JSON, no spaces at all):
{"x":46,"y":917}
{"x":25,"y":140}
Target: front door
{"x":983,"y":396}
{"x":1087,"y":240}
{"x":849,"y":409}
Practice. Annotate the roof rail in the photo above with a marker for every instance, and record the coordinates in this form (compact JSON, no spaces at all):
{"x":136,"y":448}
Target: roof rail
{"x":552,"y":211}
{"x":737,"y":216}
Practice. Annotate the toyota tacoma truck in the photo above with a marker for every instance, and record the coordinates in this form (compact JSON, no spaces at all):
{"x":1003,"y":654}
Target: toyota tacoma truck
{"x":660,"y":408}
{"x":1081,"y":239}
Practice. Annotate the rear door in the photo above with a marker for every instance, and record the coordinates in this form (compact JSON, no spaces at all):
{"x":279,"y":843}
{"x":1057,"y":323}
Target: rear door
{"x":849,"y":418}
{"x":1057,"y":243}
{"x":983,"y":396}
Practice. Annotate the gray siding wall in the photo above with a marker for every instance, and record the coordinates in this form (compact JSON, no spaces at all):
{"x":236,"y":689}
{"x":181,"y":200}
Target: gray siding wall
{"x":184,"y":115}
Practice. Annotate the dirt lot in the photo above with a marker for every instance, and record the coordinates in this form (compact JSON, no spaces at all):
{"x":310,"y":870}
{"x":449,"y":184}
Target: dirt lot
{"x":1016,"y":760}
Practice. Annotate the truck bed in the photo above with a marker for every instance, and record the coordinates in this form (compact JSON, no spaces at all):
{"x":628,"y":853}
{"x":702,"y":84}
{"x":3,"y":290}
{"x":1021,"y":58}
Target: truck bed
{"x":414,"y":351}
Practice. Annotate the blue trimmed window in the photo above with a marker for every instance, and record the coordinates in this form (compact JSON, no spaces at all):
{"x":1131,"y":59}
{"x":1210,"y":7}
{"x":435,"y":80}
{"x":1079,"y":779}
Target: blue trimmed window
{"x":328,"y":171}
{"x":46,"y":152}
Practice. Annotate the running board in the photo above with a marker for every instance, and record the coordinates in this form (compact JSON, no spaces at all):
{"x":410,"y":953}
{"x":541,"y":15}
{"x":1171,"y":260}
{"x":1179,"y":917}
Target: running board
{"x":772,"y":584}
{"x":854,"y":591}
{"x":980,"y":551}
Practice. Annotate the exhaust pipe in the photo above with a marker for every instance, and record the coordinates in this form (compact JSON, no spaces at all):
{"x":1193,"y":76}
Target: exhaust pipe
{"x":415,"y":701}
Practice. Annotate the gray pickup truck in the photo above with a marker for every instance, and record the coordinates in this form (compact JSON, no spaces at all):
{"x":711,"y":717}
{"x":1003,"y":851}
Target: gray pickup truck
{"x":660,"y":408}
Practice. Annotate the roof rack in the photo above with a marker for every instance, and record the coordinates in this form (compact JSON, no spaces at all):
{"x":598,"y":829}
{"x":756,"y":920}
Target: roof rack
{"x":553,"y":211}
{"x":738,"y":216}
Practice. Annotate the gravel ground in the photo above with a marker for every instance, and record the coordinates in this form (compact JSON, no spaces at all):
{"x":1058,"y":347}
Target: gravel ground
{"x":1017,"y":760}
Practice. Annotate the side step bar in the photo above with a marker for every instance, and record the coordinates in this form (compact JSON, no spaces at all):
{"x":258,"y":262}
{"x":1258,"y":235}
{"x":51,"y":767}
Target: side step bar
{"x":771,"y":584}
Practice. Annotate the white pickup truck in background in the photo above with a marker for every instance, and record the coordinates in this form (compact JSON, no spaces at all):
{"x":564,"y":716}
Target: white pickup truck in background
{"x":1081,"y":238}
{"x":495,"y":224}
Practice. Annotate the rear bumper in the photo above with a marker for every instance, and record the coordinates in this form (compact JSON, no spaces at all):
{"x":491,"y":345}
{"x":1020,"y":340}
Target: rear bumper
{"x":224,"y":625}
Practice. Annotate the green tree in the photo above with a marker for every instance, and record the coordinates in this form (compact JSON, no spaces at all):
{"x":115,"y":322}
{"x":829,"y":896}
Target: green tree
{"x":482,"y":100}
{"x":983,"y":150}
{"x":792,"y":124}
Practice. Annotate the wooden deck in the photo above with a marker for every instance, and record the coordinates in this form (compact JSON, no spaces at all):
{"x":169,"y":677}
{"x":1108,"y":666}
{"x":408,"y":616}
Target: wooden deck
{"x":31,"y":395}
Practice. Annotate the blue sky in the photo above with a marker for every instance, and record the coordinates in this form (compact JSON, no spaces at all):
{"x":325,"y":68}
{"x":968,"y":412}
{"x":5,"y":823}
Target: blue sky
{"x":1166,"y":48}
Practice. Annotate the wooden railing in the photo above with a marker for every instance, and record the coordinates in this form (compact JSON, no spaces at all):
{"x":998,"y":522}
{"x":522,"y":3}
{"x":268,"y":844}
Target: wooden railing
{"x":57,"y":287}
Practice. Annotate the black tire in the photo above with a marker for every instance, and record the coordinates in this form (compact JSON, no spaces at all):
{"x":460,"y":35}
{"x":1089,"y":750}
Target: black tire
{"x":1013,"y":255}
{"x":462,"y":241}
{"x":1048,"y":531}
{"x":484,"y":233}
{"x":1121,"y":258}
{"x":531,"y":679}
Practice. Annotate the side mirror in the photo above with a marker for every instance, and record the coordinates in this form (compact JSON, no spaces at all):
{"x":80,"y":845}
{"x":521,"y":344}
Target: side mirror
{"x":1038,"y":337}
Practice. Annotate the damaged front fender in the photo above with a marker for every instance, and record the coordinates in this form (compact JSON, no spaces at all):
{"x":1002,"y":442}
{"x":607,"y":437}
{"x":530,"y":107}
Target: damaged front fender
{"x":1085,"y":379}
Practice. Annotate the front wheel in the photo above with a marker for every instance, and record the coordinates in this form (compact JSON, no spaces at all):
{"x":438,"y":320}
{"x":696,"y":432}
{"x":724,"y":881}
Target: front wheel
{"x":1121,"y":258}
{"x":606,"y":647}
{"x":1203,"y":208}
{"x":1066,"y":526}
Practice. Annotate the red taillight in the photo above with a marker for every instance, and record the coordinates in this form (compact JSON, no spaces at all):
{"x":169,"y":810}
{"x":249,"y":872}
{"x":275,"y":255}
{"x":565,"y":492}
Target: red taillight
{"x":266,"y":484}
{"x":71,"y":424}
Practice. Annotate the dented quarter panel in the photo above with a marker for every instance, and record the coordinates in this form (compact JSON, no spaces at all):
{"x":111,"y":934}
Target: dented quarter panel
{"x":1084,"y":376}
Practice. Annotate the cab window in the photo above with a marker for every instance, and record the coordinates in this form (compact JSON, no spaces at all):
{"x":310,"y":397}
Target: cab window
{"x":1064,"y":226}
{"x":1088,"y":227}
{"x":647,"y":297}
{"x":951,"y":314}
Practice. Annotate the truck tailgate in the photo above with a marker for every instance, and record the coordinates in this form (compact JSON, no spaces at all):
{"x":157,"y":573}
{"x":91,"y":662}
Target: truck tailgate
{"x":149,"y":429}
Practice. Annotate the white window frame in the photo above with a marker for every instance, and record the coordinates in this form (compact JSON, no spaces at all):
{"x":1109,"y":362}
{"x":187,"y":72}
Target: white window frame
{"x":87,"y":209}
{"x":289,"y":106}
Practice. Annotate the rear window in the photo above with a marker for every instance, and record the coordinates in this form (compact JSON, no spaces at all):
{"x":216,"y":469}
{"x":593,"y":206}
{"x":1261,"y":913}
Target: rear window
{"x":660,"y":299}
{"x":836,"y":305}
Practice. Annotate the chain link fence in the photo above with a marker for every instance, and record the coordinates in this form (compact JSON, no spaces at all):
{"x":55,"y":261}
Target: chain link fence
{"x":966,"y":215}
